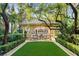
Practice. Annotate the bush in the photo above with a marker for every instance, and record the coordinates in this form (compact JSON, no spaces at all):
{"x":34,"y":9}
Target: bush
{"x":1,"y":38}
{"x":1,"y":31}
{"x":16,"y":36}
{"x":7,"y":47}
{"x":74,"y":48}
{"x":13,"y":41}
{"x":12,"y":37}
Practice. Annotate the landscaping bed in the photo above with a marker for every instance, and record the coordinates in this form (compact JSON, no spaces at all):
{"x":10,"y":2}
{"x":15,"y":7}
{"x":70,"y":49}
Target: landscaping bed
{"x":74,"y":48}
{"x":7,"y":47}
{"x":13,"y":41}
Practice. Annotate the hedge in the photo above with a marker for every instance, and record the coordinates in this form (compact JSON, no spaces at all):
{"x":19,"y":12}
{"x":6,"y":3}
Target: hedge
{"x":74,"y":48}
{"x":12,"y":37}
{"x":7,"y":47}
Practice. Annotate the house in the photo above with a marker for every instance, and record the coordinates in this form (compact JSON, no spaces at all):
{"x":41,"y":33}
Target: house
{"x":36,"y":30}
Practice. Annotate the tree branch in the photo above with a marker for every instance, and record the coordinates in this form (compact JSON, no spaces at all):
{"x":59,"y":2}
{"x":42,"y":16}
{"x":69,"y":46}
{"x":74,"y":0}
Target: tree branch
{"x":48,"y":20}
{"x":45,"y":23}
{"x":4,"y":7}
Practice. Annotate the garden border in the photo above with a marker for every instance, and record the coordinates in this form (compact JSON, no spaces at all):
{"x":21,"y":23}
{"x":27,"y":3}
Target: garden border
{"x":15,"y":49}
{"x":70,"y":53}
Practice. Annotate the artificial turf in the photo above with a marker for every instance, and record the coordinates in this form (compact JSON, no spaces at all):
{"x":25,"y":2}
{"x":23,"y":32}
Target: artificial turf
{"x":40,"y":49}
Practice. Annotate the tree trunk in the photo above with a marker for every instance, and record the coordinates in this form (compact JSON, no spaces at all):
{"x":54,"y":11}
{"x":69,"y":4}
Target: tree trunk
{"x":6,"y":23}
{"x":75,"y":16}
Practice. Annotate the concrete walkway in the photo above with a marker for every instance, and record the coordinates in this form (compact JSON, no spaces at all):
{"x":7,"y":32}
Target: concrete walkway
{"x":70,"y":53}
{"x":15,"y":49}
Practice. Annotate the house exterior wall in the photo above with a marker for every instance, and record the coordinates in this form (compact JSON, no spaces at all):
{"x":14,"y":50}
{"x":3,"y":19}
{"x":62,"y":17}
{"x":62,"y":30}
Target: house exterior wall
{"x":38,"y":31}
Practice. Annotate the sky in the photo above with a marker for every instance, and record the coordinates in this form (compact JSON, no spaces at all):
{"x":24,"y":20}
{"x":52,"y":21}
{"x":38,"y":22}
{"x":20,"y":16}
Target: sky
{"x":15,"y":6}
{"x":70,"y":11}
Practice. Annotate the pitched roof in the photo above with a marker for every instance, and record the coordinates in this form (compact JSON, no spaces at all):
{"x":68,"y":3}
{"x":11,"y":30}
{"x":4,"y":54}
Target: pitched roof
{"x":36,"y":22}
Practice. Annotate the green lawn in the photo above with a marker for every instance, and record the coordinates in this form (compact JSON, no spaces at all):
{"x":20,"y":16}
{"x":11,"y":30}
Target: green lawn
{"x":40,"y":49}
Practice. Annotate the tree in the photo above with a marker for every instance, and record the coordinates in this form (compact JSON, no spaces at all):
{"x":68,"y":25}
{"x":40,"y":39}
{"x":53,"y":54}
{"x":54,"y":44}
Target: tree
{"x":6,"y":22}
{"x":75,"y":17}
{"x":50,"y":12}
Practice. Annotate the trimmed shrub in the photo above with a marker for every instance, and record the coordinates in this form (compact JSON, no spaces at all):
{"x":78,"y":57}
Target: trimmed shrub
{"x":7,"y":47}
{"x":16,"y":36}
{"x":74,"y":48}
{"x":12,"y":37}
{"x":1,"y":38}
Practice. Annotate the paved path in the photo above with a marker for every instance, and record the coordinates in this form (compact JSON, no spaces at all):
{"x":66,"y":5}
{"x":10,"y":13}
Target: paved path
{"x":15,"y":49}
{"x":65,"y":49}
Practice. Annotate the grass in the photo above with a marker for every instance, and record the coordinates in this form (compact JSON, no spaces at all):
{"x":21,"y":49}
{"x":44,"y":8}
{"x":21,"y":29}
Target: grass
{"x":40,"y":49}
